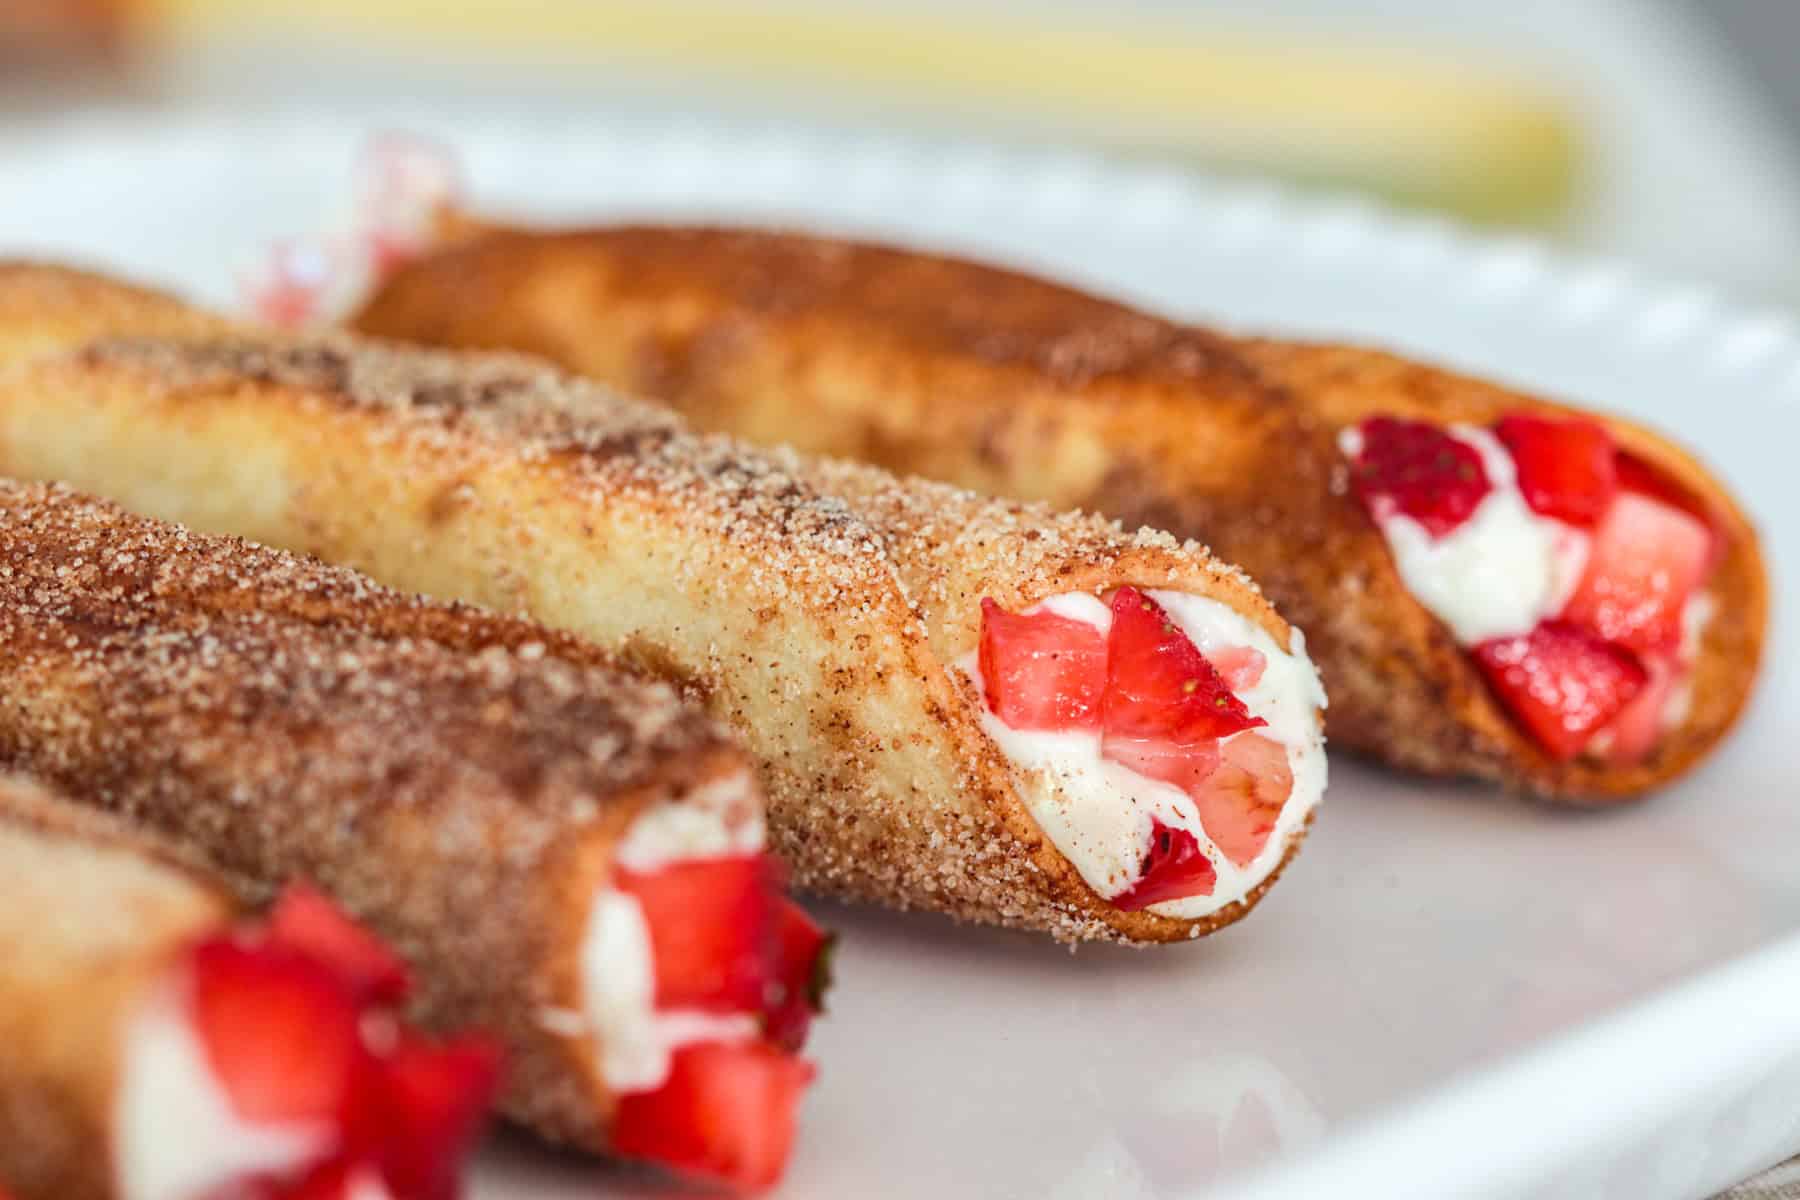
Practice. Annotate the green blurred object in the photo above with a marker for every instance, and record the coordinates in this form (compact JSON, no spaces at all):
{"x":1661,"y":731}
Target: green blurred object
{"x":1407,"y":124}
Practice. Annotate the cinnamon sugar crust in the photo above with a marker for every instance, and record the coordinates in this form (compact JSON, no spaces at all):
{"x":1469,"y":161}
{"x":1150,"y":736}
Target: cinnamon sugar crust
{"x":1013,"y":385}
{"x":813,"y":605}
{"x":455,"y":778}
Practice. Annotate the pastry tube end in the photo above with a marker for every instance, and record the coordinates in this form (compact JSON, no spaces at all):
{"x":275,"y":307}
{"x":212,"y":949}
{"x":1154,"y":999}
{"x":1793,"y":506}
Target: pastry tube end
{"x":1013,"y":385}
{"x":831,"y":613}
{"x":169,"y":1048}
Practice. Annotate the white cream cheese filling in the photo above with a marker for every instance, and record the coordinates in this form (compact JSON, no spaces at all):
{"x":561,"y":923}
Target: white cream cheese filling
{"x":1498,"y":573}
{"x":1100,"y":814}
{"x":177,"y":1137}
{"x":635,"y":1039}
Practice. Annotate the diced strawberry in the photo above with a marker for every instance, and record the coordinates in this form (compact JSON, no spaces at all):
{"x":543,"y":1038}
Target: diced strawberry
{"x":802,"y":977}
{"x":1239,"y":666}
{"x":306,"y":920}
{"x":334,"y":1180}
{"x":1421,"y":470}
{"x":1639,"y":725}
{"x":1187,"y":767}
{"x":432,"y":1101}
{"x":1241,"y":801}
{"x":1041,"y":670}
{"x":726,"y":1113}
{"x":1566,"y":467}
{"x":1159,"y":687}
{"x":1646,"y":559}
{"x":712,"y":930}
{"x":1174,"y":868}
{"x":1636,"y":475}
{"x":279,"y":1029}
{"x":1563,"y":682}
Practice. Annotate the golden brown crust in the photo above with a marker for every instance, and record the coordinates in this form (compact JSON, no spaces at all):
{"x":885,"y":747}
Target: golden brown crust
{"x":1017,"y":386}
{"x":455,"y":778}
{"x":815,"y":605}
{"x":94,"y":914}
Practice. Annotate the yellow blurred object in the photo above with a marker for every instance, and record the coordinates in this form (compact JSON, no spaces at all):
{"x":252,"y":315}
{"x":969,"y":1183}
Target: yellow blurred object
{"x":1409,"y":124}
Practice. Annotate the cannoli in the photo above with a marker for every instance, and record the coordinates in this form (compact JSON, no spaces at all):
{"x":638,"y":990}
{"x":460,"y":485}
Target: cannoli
{"x":162,"y":1046}
{"x":570,"y":857}
{"x":1493,"y":584}
{"x":968,"y":705}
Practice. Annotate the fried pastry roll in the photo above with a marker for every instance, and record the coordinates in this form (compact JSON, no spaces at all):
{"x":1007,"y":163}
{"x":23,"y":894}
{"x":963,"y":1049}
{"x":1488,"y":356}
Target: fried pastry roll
{"x":969,"y":705}
{"x":569,"y":857}
{"x":1493,"y":584}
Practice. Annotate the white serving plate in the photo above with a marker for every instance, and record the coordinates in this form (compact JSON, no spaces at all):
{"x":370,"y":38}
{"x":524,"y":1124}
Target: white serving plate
{"x":1452,"y":993}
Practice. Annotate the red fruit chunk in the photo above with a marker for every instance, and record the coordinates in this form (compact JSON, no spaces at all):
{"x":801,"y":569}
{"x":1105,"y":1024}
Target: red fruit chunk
{"x":726,"y":1113}
{"x":433,"y":1101}
{"x":1562,"y":682}
{"x":802,"y":977}
{"x":279,"y":1029}
{"x":1187,"y":767}
{"x":1566,"y":468}
{"x":712,"y":930}
{"x":1239,"y":666}
{"x":1639,"y":725}
{"x":1647,"y":558}
{"x":1636,"y":475}
{"x":1041,"y":670}
{"x":1241,"y":801}
{"x":1159,"y":687}
{"x":1421,"y":470}
{"x":1174,"y":868}
{"x":304,"y":919}
{"x":331,"y":1181}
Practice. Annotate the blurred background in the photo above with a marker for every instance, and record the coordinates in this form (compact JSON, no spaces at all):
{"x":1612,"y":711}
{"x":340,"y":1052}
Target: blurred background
{"x":1663,"y":131}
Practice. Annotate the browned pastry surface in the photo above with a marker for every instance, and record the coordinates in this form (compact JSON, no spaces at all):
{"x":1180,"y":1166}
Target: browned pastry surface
{"x":456,"y":778}
{"x":1017,"y":386}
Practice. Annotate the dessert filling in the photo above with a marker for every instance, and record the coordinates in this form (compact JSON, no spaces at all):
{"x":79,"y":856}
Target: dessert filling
{"x":1572,"y":572}
{"x":1164,"y":743}
{"x":270,"y":1063}
{"x":701,"y":983}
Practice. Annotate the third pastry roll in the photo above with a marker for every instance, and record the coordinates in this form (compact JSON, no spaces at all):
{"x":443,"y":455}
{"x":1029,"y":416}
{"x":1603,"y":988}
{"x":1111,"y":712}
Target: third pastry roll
{"x":1494,"y":584}
{"x":569,"y":857}
{"x":969,"y":705}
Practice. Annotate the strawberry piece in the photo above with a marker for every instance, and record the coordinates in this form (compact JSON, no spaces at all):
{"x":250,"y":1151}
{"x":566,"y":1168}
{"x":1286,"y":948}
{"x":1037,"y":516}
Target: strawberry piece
{"x":1566,"y":467}
{"x":712,"y":930}
{"x":279,"y":1029}
{"x":432,"y":1102}
{"x":1636,"y":475}
{"x":1562,"y":682}
{"x":1187,"y":767}
{"x":306,"y":920}
{"x":1241,"y":801}
{"x":1639,"y":725}
{"x":802,"y":977}
{"x":1239,"y":666}
{"x":726,"y":1113}
{"x":1041,"y":670}
{"x":288,"y":290}
{"x":1159,"y":687}
{"x":334,"y":1180}
{"x":1646,"y":560}
{"x":1174,"y":867}
{"x":1421,"y":471}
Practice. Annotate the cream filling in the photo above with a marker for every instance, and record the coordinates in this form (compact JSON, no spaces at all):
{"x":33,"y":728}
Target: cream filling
{"x":634,"y":1039}
{"x":177,"y":1137}
{"x":1100,"y":814}
{"x":1498,"y":573}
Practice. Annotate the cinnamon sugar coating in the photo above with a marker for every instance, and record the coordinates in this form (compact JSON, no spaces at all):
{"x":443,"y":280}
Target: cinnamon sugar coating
{"x":454,"y":777}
